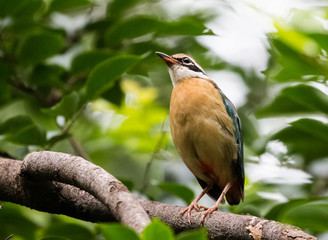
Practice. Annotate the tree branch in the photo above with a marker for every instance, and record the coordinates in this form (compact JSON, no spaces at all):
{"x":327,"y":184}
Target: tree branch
{"x":85,"y":175}
{"x":52,"y":182}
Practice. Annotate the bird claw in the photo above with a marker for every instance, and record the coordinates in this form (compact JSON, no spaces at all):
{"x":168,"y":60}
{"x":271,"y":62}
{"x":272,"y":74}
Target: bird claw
{"x":203,"y":207}
{"x":208,"y":211}
{"x":188,"y":210}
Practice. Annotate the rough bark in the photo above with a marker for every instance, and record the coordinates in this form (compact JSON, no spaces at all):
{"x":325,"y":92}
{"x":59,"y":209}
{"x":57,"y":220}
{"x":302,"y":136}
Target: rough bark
{"x":76,"y":171}
{"x":53,"y":182}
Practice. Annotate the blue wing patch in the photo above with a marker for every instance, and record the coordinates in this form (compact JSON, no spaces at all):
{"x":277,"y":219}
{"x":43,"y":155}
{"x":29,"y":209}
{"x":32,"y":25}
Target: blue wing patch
{"x":232,"y":112}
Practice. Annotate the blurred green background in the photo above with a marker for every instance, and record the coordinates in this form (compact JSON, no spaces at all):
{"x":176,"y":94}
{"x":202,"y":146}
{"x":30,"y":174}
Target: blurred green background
{"x":81,"y":77}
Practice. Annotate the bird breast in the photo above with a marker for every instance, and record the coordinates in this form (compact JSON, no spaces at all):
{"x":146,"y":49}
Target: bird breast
{"x":202,"y":131}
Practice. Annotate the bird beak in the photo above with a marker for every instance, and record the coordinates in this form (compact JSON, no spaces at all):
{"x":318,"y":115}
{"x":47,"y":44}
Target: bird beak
{"x":167,"y":59}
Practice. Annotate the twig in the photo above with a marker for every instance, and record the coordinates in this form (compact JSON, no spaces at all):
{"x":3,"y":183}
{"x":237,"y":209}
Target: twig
{"x":65,"y":133}
{"x":78,"y":149}
{"x":74,"y":143}
{"x":150,"y":162}
{"x":10,"y":236}
{"x":67,"y":128}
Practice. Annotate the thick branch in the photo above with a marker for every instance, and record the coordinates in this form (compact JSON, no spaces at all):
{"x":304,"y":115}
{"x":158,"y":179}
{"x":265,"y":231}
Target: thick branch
{"x":65,"y":199}
{"x":85,"y":175}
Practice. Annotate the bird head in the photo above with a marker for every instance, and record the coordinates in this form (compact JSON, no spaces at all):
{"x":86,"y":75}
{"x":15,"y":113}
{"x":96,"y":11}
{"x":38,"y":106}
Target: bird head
{"x":182,"y":66}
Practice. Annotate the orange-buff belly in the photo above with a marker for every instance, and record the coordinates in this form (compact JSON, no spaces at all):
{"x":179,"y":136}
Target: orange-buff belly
{"x":202,"y":131}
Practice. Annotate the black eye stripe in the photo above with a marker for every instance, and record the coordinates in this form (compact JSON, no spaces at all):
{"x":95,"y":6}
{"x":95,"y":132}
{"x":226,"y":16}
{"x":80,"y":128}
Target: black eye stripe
{"x":194,"y":68}
{"x":191,"y":66}
{"x":179,"y":59}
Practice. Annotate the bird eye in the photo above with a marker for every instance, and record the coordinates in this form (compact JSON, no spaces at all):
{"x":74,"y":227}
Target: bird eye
{"x":186,"y":60}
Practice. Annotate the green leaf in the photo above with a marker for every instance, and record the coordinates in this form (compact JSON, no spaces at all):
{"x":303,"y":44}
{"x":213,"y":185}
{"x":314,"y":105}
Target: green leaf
{"x":22,"y":130}
{"x":23,"y":26}
{"x":55,"y":238}
{"x":10,"y":218}
{"x":8,"y":8}
{"x":102,"y":77}
{"x":5,"y":92}
{"x":64,"y":5}
{"x":157,"y":230}
{"x":117,"y":231}
{"x":199,"y":234}
{"x":304,"y":213}
{"x":185,"y":26}
{"x":85,"y":62}
{"x":142,"y":25}
{"x":4,"y":71}
{"x":46,"y":78}
{"x":114,"y":94}
{"x":67,"y":107}
{"x":66,"y":230}
{"x":12,"y":109}
{"x":298,"y":41}
{"x":314,"y":127}
{"x":131,"y":28}
{"x":39,"y":46}
{"x":178,"y":190}
{"x":42,"y":74}
{"x":128,"y":183}
{"x":307,"y":137}
{"x":290,"y":65}
{"x":116,"y":8}
{"x":27,"y":108}
{"x":28,"y":9}
{"x":298,"y":99}
{"x":15,"y":123}
{"x":321,"y":39}
{"x":29,"y":135}
{"x":5,"y":87}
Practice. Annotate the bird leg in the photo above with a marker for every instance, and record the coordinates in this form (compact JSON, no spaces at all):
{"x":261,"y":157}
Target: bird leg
{"x":194,"y":204}
{"x":216,"y":205}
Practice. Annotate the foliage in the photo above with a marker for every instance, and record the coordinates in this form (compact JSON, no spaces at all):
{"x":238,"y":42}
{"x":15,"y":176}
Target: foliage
{"x":81,"y":77}
{"x":155,"y":230}
{"x":298,"y":67}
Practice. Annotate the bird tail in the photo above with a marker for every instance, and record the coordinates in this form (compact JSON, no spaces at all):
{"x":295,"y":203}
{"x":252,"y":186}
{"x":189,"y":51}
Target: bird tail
{"x":235,"y":194}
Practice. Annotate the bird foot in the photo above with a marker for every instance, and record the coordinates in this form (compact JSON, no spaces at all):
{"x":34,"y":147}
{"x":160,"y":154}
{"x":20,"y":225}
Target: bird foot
{"x":208,"y":211}
{"x":203,"y":207}
{"x":188,"y":210}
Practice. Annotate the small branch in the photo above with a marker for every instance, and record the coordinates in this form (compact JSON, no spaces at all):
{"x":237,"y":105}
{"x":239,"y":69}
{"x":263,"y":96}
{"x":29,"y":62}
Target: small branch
{"x":79,"y":149}
{"x":10,"y":237}
{"x":67,"y":199}
{"x":150,"y":162}
{"x":65,"y":133}
{"x":75,"y":144}
{"x":67,"y":128}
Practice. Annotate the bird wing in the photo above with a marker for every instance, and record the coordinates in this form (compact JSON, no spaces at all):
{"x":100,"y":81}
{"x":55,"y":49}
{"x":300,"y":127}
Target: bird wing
{"x":238,"y":164}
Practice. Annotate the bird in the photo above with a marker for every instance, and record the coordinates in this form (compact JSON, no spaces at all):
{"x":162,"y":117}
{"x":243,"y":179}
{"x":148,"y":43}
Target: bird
{"x":206,"y":131}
